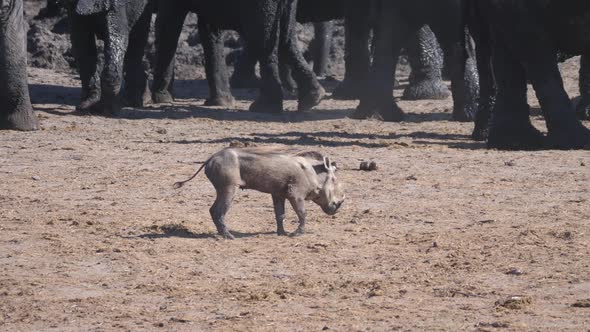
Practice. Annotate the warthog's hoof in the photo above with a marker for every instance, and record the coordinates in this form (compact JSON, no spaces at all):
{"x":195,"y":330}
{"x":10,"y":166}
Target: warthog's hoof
{"x":227,"y":235}
{"x":298,"y":232}
{"x":281,"y":233}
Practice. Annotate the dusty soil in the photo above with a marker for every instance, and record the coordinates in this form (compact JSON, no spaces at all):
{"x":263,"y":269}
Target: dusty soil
{"x":444,"y":236}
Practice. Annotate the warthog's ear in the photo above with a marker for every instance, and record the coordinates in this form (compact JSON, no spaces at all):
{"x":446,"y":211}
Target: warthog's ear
{"x":330,"y":166}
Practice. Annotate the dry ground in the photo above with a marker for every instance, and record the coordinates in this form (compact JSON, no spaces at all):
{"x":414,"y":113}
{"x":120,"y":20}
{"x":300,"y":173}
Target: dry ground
{"x":94,"y":238}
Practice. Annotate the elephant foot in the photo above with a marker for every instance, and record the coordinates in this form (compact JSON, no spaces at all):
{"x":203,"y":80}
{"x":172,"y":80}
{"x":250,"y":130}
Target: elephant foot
{"x":390,"y":114}
{"x":244,"y":81}
{"x":575,"y":136}
{"x":162,"y":97}
{"x":138,"y":100}
{"x":347,"y":90}
{"x":426,"y":89}
{"x":583,"y":108}
{"x":110,"y":107}
{"x":311,"y":99}
{"x":360,"y":114}
{"x":224,"y":101}
{"x":465,"y":113}
{"x":520,"y":135}
{"x":266,"y":105}
{"x":23,"y":120}
{"x":89,"y":104}
{"x":480,"y":133}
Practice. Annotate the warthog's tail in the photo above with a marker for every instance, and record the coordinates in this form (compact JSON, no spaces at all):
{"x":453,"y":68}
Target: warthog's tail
{"x":179,"y":184}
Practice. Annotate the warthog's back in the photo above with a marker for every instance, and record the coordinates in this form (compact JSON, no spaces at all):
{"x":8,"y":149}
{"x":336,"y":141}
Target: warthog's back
{"x":262,"y":169}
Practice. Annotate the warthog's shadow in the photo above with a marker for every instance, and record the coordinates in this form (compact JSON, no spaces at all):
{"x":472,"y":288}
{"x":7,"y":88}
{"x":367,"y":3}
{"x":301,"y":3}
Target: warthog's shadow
{"x":175,"y":230}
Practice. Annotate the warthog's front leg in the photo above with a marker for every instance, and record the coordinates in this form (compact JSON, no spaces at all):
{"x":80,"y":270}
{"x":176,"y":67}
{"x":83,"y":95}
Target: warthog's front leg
{"x":219,"y":209}
{"x":298,"y":205}
{"x":279,"y":205}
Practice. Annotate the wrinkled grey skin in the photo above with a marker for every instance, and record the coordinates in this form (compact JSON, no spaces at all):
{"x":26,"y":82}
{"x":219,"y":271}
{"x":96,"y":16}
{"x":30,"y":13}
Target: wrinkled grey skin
{"x":396,"y":21}
{"x":426,"y":61}
{"x":300,"y":177}
{"x":520,"y":41}
{"x":53,"y":9}
{"x":124,"y":27}
{"x":583,"y":107}
{"x":16,"y":111}
{"x":244,"y":75}
{"x":268,"y":29}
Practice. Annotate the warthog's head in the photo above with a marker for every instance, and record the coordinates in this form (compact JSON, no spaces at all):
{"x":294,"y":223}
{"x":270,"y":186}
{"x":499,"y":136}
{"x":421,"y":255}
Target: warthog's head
{"x":330,"y":195}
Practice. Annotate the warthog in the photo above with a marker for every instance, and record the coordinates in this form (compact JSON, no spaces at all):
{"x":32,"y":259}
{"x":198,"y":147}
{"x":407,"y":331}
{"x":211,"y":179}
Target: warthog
{"x":296,"y":177}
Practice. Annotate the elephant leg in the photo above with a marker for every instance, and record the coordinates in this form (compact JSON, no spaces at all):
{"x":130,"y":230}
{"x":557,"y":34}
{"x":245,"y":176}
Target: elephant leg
{"x":356,"y":53}
{"x":84,"y":50}
{"x":115,"y":46}
{"x":456,"y":44}
{"x":136,"y":90}
{"x":16,"y":111}
{"x":536,"y":54}
{"x":487,"y":86}
{"x":583,"y":107}
{"x":261,"y":32}
{"x":320,"y":47}
{"x":510,"y":127}
{"x":310,"y":92}
{"x":215,"y":67}
{"x":377,"y":94}
{"x":426,"y":61}
{"x":168,"y":28}
{"x":244,"y":75}
{"x":286,"y":75}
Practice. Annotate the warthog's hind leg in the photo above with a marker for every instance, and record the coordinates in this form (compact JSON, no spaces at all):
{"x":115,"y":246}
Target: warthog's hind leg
{"x":298,"y":205}
{"x":279,"y":205}
{"x":219,"y":209}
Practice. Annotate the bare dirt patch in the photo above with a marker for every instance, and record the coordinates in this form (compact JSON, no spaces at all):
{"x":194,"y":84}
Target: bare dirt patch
{"x":94,"y":238}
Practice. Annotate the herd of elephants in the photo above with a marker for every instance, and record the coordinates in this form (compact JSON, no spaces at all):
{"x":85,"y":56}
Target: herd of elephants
{"x":491,"y":48}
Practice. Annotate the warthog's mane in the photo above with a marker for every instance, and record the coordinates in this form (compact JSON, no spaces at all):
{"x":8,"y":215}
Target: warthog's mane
{"x":311,"y":155}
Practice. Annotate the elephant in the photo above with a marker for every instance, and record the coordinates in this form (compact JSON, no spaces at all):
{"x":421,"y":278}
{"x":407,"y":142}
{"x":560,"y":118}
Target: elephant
{"x":124,"y":27}
{"x":268,"y":29}
{"x":425,"y":56}
{"x":308,"y":11}
{"x":396,"y":21}
{"x":519,"y":41}
{"x":244,"y":75}
{"x":16,"y":111}
{"x":423,"y":53}
{"x":583,"y":107}
{"x":52,"y":9}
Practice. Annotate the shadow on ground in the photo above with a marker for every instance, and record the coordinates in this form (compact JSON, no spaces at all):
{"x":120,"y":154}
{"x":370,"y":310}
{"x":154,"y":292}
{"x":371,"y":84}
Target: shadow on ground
{"x":337,"y":139}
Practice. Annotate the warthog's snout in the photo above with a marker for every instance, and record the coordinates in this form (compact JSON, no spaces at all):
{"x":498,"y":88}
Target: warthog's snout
{"x":333,"y":207}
